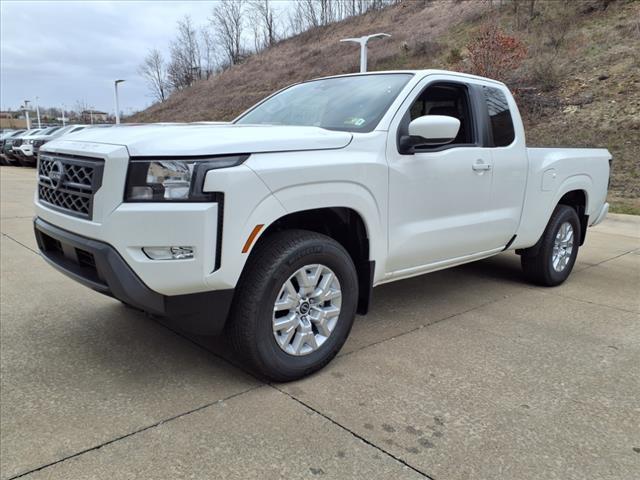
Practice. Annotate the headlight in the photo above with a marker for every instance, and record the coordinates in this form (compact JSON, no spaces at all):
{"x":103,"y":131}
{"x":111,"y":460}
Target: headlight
{"x":39,"y":143}
{"x":173,"y":180}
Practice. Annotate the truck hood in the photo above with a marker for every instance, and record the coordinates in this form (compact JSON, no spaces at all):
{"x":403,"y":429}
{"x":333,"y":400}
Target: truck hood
{"x":198,"y":139}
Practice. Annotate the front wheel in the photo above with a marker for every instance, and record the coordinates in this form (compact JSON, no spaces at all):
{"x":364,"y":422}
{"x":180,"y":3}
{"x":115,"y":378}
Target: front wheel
{"x":294,"y":305}
{"x":552,"y":261}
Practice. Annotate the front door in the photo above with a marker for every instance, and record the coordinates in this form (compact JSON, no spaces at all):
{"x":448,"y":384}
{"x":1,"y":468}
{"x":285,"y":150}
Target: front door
{"x":438,"y":196}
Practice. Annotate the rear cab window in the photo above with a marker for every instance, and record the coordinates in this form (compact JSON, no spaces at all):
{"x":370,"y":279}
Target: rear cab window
{"x":500,"y":121}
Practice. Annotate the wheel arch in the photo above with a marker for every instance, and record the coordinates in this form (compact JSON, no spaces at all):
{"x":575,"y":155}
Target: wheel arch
{"x":345,"y":225}
{"x":577,"y":199}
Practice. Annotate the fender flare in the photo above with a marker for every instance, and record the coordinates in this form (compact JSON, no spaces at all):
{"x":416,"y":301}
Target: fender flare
{"x":580,"y":182}
{"x":352,"y":195}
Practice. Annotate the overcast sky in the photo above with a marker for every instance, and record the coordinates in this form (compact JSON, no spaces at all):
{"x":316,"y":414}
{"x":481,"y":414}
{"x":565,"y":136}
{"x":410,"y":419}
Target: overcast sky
{"x":64,"y":51}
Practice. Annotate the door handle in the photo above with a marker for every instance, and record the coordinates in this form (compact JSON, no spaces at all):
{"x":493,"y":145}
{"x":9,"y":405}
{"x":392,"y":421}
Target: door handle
{"x":480,"y":166}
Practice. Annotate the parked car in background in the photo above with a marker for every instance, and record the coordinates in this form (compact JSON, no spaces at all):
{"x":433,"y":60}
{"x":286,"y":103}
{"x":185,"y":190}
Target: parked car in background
{"x":9,"y":134}
{"x":28,"y":150}
{"x":10,"y":148}
{"x":24,"y":151}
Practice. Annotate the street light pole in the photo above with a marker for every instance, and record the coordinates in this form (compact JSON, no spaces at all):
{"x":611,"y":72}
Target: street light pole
{"x":38,"y":113}
{"x":63,"y":119}
{"x":117,"y":102}
{"x":26,"y":112}
{"x":363,"y":47}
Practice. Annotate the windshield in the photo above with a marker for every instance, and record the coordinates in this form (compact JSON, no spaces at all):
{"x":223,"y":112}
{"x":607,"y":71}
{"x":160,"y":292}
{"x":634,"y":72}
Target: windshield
{"x":49,"y":131}
{"x":351,"y":104}
{"x":63,"y":130}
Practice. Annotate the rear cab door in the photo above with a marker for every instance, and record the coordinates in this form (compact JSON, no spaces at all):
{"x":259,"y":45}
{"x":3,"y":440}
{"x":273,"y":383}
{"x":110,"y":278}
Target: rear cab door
{"x":506,"y":141}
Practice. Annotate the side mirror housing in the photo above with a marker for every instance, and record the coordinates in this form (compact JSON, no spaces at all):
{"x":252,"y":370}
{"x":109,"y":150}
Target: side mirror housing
{"x":435,"y":129}
{"x":430,"y":130}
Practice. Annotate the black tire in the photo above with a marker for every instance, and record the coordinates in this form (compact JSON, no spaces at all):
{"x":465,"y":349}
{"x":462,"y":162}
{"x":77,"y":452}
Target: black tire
{"x":274,"y":260}
{"x":13,"y":162}
{"x":537,"y":262}
{"x":26,"y":163}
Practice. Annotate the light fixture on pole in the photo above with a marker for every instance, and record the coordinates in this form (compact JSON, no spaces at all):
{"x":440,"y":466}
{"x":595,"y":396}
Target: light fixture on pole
{"x":363,"y":47}
{"x":26,"y":113}
{"x":38,"y":113}
{"x":117,"y":101}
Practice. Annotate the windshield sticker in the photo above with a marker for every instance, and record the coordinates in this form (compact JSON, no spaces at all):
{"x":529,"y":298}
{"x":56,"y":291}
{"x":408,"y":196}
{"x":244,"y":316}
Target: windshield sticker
{"x":356,"y":121}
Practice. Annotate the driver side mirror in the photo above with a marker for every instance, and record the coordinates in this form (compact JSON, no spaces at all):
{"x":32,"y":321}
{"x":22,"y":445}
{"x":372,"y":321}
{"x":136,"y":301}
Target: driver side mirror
{"x":430,"y":130}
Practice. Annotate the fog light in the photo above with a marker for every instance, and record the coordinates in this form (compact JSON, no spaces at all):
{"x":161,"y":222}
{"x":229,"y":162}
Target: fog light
{"x":168,"y":253}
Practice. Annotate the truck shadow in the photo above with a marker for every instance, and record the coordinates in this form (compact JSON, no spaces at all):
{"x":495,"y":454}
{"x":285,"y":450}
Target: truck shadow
{"x":402,"y":306}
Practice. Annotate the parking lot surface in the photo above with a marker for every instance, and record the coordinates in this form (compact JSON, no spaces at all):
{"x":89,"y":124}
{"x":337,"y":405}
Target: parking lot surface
{"x":464,"y":373}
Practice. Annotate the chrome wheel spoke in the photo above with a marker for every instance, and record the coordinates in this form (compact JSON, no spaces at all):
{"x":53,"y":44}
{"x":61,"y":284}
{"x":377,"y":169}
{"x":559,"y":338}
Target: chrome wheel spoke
{"x":307,"y":278}
{"x":562,"y":247}
{"x":303,"y":340}
{"x":285,"y":339}
{"x":325,"y":291}
{"x":287,"y":299}
{"x":322,"y":319}
{"x":306,"y":309}
{"x":290,"y":322}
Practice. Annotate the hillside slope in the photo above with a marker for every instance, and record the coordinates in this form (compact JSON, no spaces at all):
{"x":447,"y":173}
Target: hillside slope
{"x":579,"y":84}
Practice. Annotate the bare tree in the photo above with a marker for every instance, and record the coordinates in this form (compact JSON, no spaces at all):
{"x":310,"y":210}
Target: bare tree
{"x":297,"y":23}
{"x":227,"y":22}
{"x":185,"y":65}
{"x":80,"y":111}
{"x":264,"y":24}
{"x":256,"y":29}
{"x":208,"y":50}
{"x":326,"y":14}
{"x":313,"y":13}
{"x":309,"y":13}
{"x":153,"y":70}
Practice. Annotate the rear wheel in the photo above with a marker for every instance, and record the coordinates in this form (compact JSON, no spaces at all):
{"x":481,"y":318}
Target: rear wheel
{"x":294,"y":305}
{"x":551,"y":261}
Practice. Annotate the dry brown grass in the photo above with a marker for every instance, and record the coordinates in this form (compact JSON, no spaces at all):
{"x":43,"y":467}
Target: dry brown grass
{"x":315,"y":53}
{"x":572,"y":108}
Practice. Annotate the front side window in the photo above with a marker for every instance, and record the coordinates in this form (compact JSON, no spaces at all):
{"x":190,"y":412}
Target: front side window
{"x":499,"y":117}
{"x":352,"y":104}
{"x":449,"y":99}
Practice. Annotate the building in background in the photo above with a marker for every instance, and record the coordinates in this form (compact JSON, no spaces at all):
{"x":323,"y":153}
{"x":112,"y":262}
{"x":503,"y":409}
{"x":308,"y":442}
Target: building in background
{"x":94,"y":116}
{"x":11,"y":119}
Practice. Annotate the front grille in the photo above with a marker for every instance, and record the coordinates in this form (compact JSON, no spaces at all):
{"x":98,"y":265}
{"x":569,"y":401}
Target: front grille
{"x":69,"y":183}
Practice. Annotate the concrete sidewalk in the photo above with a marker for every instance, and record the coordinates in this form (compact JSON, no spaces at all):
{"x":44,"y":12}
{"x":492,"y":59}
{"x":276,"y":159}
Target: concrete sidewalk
{"x":464,"y":373}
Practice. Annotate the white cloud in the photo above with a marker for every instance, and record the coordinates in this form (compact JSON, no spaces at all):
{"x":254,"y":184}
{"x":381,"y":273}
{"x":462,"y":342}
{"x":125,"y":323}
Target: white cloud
{"x":63,"y":51}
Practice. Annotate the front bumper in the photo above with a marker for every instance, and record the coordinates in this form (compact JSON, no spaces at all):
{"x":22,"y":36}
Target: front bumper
{"x":26,"y":148}
{"x":11,"y":155}
{"x":100,"y":267}
{"x":25,"y":154}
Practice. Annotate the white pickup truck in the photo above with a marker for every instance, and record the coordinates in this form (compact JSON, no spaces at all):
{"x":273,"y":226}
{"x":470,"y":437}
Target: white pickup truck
{"x":276,"y":227}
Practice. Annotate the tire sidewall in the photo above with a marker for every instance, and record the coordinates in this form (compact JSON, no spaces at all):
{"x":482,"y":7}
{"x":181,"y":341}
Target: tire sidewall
{"x":313,"y":251}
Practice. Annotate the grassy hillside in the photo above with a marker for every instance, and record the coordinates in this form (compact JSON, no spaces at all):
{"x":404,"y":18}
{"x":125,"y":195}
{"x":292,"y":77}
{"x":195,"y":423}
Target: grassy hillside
{"x":579,"y":84}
